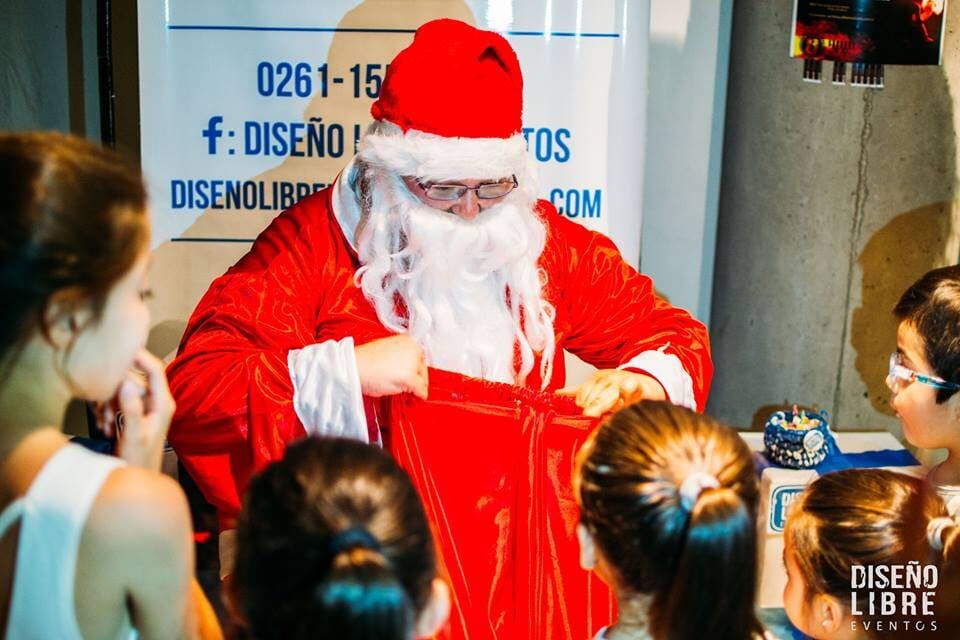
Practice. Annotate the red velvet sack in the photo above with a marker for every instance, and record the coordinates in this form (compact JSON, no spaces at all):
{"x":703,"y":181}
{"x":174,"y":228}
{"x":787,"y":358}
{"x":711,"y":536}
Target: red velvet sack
{"x":494,"y":466}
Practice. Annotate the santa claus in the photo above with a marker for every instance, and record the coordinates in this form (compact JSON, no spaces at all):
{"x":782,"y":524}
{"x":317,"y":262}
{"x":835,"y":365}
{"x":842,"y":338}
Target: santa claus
{"x":430,"y":249}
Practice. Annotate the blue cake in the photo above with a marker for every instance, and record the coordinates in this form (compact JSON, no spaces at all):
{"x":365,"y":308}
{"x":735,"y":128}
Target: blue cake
{"x":798,"y":439}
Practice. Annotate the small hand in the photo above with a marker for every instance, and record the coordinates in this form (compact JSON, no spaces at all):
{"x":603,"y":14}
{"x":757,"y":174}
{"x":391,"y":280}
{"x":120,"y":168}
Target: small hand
{"x":390,"y":366}
{"x":146,"y":412}
{"x":611,"y":389}
{"x":105,"y":414}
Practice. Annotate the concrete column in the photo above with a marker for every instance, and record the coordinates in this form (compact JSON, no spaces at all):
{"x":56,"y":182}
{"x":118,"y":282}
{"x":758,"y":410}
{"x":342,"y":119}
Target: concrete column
{"x":689,"y":58}
{"x":833,"y":200}
{"x":33,"y":66}
{"x":48,"y":66}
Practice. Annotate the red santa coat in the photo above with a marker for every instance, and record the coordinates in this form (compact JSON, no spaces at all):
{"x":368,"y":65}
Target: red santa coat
{"x":232,"y":376}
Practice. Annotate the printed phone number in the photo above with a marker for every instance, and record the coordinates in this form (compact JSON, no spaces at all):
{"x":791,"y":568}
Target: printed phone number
{"x":299,"y":79}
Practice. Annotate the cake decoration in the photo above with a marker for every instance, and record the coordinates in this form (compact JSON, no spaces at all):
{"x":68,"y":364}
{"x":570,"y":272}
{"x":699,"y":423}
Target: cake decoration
{"x":798,"y":439}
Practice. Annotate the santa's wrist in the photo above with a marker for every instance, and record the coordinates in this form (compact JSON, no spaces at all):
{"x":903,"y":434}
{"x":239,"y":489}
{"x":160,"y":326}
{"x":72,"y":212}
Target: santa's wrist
{"x":390,"y":366}
{"x":653,"y":389}
{"x":361,"y":355}
{"x":669,"y":373}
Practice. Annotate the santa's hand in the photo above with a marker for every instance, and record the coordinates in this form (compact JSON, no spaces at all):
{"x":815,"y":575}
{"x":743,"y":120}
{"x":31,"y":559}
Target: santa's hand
{"x":390,"y":366}
{"x":610,"y":389}
{"x":147,"y":407}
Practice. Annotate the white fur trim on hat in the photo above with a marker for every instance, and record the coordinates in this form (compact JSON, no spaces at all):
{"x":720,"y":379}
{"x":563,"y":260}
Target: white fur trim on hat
{"x":432,"y":157}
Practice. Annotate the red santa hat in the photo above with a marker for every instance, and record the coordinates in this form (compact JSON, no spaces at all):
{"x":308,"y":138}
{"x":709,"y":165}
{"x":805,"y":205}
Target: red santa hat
{"x":450,"y":107}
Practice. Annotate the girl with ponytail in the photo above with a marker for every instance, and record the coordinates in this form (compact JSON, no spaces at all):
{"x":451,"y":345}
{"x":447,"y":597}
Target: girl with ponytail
{"x":333,"y":542}
{"x":845,"y":535}
{"x":668,"y":502}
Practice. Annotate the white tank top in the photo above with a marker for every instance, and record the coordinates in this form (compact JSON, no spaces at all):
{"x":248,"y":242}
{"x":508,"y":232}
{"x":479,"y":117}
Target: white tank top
{"x":52,"y":517}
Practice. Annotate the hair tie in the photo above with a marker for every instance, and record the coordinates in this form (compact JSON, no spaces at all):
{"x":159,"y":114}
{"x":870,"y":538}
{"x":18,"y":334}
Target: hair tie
{"x":353,"y":537}
{"x":695,"y":484}
{"x":935,"y":529}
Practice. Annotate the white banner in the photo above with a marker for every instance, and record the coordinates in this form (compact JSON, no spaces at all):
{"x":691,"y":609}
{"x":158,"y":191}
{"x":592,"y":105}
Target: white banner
{"x":248,"y":105}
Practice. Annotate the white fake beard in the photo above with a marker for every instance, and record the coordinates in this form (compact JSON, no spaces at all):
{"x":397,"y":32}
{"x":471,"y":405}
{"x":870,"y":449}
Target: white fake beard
{"x":472,"y":289}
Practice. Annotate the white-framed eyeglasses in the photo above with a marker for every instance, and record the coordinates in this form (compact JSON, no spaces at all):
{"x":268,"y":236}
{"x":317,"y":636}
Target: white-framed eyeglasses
{"x":899,"y":376}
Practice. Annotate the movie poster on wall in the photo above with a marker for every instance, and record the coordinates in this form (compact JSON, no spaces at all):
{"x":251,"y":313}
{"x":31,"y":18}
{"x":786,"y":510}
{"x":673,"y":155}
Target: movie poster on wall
{"x":907,"y":32}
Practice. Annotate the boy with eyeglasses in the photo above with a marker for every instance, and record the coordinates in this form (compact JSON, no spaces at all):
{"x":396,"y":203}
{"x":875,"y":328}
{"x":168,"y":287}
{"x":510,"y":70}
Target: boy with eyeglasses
{"x":924,"y":374}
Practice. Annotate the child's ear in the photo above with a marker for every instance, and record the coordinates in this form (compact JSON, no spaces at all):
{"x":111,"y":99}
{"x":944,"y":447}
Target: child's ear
{"x":588,"y":550}
{"x":64,"y":317}
{"x":829,"y":614}
{"x":436,"y":613}
{"x":954,"y":403}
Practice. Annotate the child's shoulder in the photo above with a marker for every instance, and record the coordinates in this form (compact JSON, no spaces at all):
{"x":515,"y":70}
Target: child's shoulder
{"x":950,"y":493}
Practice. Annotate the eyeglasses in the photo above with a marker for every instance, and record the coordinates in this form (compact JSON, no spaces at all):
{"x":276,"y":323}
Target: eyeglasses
{"x":450,"y":192}
{"x":898,"y":376}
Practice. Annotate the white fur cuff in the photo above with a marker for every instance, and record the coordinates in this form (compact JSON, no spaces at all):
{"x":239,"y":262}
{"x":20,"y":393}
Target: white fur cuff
{"x":326,"y":389}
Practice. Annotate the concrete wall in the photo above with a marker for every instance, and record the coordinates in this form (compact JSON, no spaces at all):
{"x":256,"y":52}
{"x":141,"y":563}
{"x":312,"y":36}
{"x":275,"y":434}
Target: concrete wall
{"x":33,"y":65}
{"x":833,"y":200}
{"x":48,"y":66}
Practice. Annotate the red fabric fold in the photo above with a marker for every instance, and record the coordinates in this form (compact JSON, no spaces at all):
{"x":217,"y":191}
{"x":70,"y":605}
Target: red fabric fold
{"x":494,"y":466}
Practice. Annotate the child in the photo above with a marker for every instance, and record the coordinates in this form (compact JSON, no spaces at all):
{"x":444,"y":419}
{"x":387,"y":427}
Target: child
{"x":925,"y":373}
{"x":869,"y":519}
{"x":668,"y":504}
{"x":333,"y":542}
{"x":90,"y":546}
